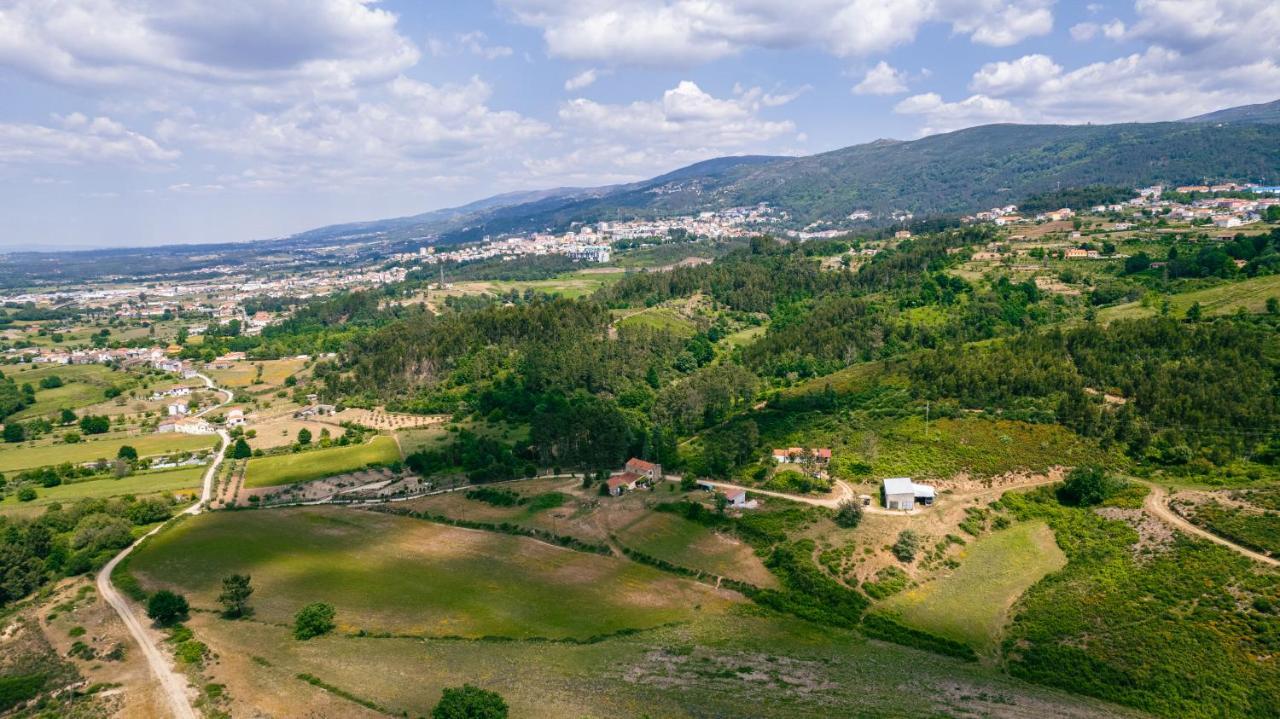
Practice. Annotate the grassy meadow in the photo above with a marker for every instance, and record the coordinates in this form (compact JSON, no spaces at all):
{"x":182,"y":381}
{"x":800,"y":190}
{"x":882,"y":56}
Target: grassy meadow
{"x":394,"y":574}
{"x":139,"y":485}
{"x":1251,"y":295}
{"x":284,"y":469}
{"x":689,"y":544}
{"x":83,"y":385}
{"x":28,"y":456}
{"x":970,"y":604}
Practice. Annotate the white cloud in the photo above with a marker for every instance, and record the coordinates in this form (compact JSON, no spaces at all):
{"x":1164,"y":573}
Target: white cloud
{"x":79,"y":140}
{"x":685,"y":125}
{"x":941,"y":116}
{"x":473,"y":43}
{"x":883,"y":79}
{"x":1154,"y":85}
{"x":1084,"y":31}
{"x":322,"y":45}
{"x":583,"y":79}
{"x":683,"y":32}
{"x":1023,"y":75}
{"x":409,"y":127}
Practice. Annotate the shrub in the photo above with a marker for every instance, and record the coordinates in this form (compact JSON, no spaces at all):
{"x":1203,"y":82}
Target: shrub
{"x":468,"y":702}
{"x":313,"y":620}
{"x":167,"y":608}
{"x":906,"y":547}
{"x":26,"y":494}
{"x":849,"y":514}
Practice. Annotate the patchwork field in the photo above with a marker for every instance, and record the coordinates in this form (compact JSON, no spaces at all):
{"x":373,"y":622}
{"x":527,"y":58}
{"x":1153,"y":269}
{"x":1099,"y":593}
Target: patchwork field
{"x":387,"y":573}
{"x":13,"y":458}
{"x":292,"y":468}
{"x":139,"y":485}
{"x":971,"y":604}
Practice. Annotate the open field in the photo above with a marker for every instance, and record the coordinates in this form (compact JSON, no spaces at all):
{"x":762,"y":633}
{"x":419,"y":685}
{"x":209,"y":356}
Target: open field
{"x":1222,"y":299}
{"x":245,"y":374}
{"x":663,"y":319}
{"x":402,"y":575}
{"x":83,"y":385}
{"x":173,"y":480}
{"x":437,"y":436}
{"x":20,"y":457}
{"x":714,"y":666}
{"x":313,"y":464}
{"x":971,"y":604}
{"x":689,"y":544}
{"x":572,"y":285}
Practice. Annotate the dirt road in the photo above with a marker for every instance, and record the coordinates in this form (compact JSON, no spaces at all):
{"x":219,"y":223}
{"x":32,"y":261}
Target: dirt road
{"x":1157,"y":503}
{"x":172,"y":682}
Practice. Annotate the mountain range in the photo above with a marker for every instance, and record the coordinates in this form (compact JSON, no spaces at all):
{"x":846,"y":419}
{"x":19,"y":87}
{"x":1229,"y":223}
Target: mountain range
{"x":952,"y":173}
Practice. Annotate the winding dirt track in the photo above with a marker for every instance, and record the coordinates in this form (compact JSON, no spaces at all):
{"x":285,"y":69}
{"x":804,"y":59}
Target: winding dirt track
{"x":1157,"y":503}
{"x":172,"y":682}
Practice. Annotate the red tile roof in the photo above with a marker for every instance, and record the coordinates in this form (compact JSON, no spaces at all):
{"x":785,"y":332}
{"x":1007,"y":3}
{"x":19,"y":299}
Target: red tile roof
{"x":640,"y":465}
{"x":626,"y":479}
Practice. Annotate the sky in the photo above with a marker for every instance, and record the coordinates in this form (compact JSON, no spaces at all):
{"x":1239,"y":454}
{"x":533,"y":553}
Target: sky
{"x":144,"y":122}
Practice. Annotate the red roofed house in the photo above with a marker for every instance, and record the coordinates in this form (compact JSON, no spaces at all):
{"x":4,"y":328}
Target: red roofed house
{"x":623,"y":482}
{"x":649,"y":470}
{"x":821,"y":455}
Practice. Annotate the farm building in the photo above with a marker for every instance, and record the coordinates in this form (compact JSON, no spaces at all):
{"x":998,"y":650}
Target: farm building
{"x":738,"y":499}
{"x":623,"y":482}
{"x":648,"y":470}
{"x":235,"y":418}
{"x":902,"y":493}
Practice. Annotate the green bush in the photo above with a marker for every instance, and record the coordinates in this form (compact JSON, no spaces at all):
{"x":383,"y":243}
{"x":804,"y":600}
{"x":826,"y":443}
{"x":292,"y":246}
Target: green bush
{"x":468,"y":702}
{"x":167,"y":608}
{"x":313,"y":620}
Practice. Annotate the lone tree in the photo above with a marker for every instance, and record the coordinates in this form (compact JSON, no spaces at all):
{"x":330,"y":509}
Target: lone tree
{"x":304,"y":436}
{"x":127,"y":452}
{"x":1087,"y":486}
{"x":849,"y":514}
{"x":468,"y":702}
{"x":167,"y":608}
{"x":235,"y":595}
{"x":313,"y":620}
{"x":241,"y":449}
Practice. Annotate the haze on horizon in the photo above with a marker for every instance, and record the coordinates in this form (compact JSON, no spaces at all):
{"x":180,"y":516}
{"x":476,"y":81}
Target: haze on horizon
{"x":135,"y":123}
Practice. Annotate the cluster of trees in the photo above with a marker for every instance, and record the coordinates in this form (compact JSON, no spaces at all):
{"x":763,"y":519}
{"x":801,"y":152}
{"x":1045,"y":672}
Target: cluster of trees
{"x":1189,"y":388}
{"x":65,"y":541}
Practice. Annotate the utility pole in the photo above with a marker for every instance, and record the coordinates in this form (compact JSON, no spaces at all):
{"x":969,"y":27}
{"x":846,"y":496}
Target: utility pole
{"x":926,"y":419}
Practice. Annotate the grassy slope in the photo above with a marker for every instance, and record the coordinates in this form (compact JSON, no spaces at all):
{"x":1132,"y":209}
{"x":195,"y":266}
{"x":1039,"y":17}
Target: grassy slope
{"x":148,"y":445}
{"x":970,"y":604}
{"x":139,"y":485}
{"x":660,"y":318}
{"x":402,"y":575}
{"x":83,"y":385}
{"x":689,"y":544}
{"x":1219,"y":300}
{"x":292,"y":468}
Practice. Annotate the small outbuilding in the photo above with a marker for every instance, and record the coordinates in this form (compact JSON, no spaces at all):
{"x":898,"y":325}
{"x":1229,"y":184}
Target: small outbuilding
{"x":902,"y":493}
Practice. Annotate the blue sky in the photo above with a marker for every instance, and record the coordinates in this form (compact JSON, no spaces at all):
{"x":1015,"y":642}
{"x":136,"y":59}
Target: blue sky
{"x":132,"y":122}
